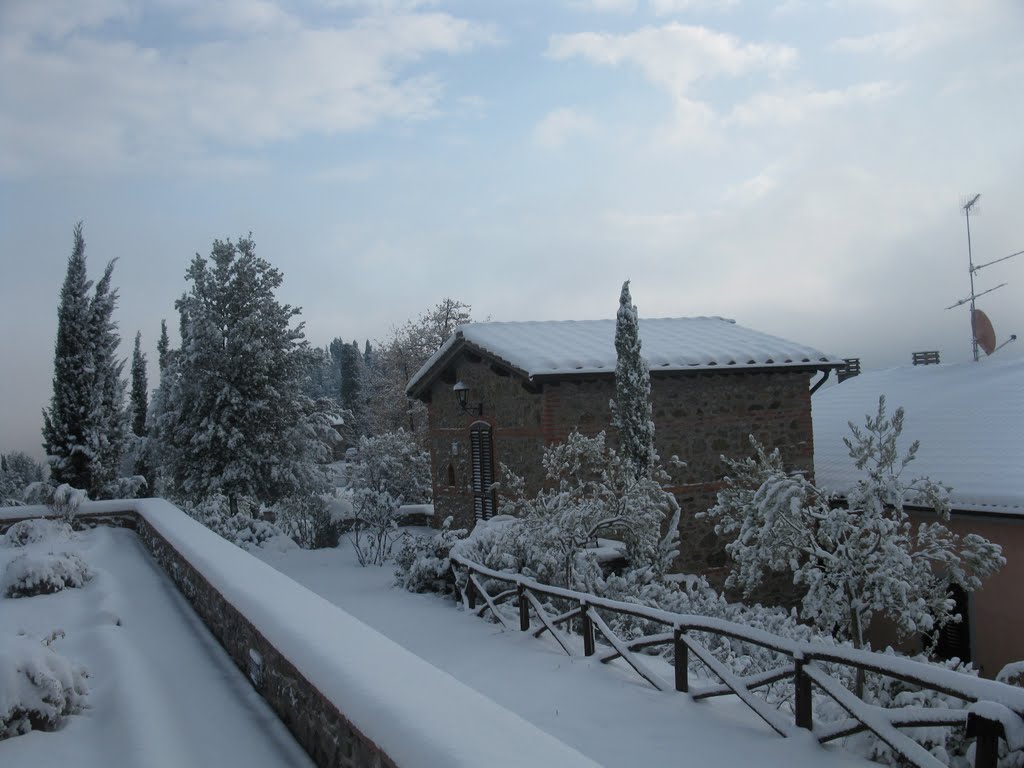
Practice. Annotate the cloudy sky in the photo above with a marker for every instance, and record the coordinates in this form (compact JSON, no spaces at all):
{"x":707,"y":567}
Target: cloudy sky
{"x":797,"y":166}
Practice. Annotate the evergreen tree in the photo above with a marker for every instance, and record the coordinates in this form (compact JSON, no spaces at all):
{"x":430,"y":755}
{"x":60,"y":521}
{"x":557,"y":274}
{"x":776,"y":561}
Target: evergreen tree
{"x":631,"y":408}
{"x":351,"y":379}
{"x":84,"y":430}
{"x":140,"y":388}
{"x":234,"y":419}
{"x":163,"y":347}
{"x":110,"y":418}
{"x":65,"y":423}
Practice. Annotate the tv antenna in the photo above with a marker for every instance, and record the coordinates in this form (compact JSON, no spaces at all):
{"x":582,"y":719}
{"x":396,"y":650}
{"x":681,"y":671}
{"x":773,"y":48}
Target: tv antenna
{"x":981,"y":328}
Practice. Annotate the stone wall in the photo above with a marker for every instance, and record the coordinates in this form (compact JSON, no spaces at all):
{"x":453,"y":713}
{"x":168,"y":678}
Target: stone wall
{"x":326,"y":735}
{"x":317,"y":724}
{"x":698,"y":417}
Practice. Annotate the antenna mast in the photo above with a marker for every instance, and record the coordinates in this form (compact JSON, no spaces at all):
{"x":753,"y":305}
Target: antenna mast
{"x":970,"y":264}
{"x":967,"y":204}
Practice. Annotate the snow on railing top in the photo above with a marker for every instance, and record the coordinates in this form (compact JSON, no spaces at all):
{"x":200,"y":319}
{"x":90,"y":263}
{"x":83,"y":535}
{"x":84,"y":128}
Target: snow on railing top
{"x":417,"y":714}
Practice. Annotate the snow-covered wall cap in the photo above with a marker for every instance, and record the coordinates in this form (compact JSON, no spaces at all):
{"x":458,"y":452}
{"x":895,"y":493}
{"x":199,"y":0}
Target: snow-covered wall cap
{"x":570,"y":347}
{"x":969,"y":418}
{"x":416,"y":713}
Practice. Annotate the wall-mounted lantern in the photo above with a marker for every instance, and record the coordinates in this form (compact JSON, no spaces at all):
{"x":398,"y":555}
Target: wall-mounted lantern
{"x":462,"y":395}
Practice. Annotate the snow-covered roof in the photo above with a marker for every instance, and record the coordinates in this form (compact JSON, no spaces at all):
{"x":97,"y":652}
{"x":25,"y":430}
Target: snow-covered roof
{"x":969,"y":418}
{"x":570,"y":347}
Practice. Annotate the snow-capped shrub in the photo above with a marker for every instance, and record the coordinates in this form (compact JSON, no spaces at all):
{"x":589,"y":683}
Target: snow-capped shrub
{"x":126,"y":487}
{"x":389,"y":470}
{"x":18,"y":471}
{"x":307,"y":519}
{"x":949,"y":745}
{"x":863,"y":554}
{"x":242,"y":529}
{"x":26,"y":532}
{"x":1011,"y":674}
{"x":38,"y":686}
{"x":591,"y":491}
{"x":66,"y":501}
{"x":29,"y":575}
{"x":422,"y":563}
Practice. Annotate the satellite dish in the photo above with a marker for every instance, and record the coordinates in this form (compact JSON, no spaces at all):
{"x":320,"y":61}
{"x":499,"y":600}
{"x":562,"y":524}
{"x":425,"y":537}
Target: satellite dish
{"x":984,"y":333}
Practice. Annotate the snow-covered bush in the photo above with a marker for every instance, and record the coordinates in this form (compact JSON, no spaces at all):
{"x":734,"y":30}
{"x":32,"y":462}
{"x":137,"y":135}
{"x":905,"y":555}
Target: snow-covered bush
{"x":855,"y":560}
{"x":949,"y":745}
{"x":590,"y":491}
{"x":422,"y":563}
{"x":126,"y":487}
{"x":38,"y":686}
{"x":1011,"y":674}
{"x":307,"y":519}
{"x":26,"y":532}
{"x":241,"y":529}
{"x":389,"y":470}
{"x":28,"y":575}
{"x":63,"y":501}
{"x":18,"y":471}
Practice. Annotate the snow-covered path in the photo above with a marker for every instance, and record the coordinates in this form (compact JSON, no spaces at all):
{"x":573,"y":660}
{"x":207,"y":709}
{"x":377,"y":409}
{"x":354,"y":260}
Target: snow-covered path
{"x":163,"y":692}
{"x":606,"y":713}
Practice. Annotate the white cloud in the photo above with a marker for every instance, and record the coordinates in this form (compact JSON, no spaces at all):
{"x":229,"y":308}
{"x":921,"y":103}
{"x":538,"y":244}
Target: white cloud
{"x":677,"y":57}
{"x":561,"y":125}
{"x":753,"y":189}
{"x":98,"y":103}
{"x":789,"y":106}
{"x":22,"y":20}
{"x":234,"y":16}
{"x":911,"y":27}
{"x":605,"y":6}
{"x":669,"y":7}
{"x":674,"y":55}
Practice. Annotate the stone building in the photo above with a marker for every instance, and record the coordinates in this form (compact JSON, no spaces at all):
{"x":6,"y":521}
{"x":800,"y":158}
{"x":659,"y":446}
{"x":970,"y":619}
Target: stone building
{"x":497,"y":393}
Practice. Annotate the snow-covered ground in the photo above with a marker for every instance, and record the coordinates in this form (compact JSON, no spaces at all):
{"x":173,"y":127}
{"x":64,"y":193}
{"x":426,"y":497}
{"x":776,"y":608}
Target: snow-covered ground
{"x":604,"y":711}
{"x":162,"y":691}
{"x":164,"y":694}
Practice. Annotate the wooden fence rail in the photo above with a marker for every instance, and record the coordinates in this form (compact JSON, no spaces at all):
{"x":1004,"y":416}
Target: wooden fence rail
{"x":995,"y":711}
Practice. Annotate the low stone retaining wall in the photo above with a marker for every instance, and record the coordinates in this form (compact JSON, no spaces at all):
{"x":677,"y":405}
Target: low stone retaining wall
{"x":322,"y":730}
{"x":351,"y":697}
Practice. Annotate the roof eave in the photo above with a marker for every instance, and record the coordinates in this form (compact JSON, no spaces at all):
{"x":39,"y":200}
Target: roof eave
{"x":458,"y":347}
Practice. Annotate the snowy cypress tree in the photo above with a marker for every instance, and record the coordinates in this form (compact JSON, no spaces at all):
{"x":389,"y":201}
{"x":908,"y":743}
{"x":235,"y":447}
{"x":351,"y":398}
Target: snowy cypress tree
{"x":352,"y":386}
{"x":84,"y":430}
{"x":110,"y":418}
{"x":65,"y":423}
{"x":163,"y":347}
{"x":140,"y":388}
{"x":631,"y":408}
{"x":233,"y":419}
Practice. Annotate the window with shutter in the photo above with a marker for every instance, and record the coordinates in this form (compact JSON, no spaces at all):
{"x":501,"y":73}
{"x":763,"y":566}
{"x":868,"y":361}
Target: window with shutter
{"x":955,"y":639}
{"x":481,"y":451}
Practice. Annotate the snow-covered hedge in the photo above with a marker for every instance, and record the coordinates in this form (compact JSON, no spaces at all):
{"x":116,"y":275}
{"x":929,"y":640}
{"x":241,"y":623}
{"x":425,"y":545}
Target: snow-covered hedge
{"x":38,"y":686}
{"x":29,"y":574}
